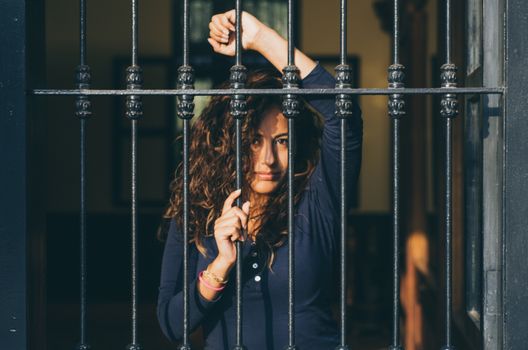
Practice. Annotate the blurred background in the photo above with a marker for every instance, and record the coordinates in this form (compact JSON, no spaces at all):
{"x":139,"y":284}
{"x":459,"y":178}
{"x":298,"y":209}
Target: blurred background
{"x":108,"y":174}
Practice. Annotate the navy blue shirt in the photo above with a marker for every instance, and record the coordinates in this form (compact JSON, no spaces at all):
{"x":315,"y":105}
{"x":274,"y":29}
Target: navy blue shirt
{"x":265,"y":292}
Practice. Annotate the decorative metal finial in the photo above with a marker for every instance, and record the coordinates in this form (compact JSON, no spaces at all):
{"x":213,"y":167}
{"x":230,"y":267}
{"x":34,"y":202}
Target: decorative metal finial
{"x":238,"y":104}
{"x":396,"y":80}
{"x":134,"y":80}
{"x":393,"y":347}
{"x":343,"y":81}
{"x":448,"y":347}
{"x":83,"y":106}
{"x":291,"y":105}
{"x":185,"y":106}
{"x":342,"y":347}
{"x":134,"y":347}
{"x":449,"y":103}
{"x":83,"y":347}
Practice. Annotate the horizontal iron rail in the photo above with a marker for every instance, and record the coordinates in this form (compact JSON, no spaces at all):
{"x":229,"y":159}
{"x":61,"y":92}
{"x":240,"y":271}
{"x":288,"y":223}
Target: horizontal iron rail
{"x":215,"y":92}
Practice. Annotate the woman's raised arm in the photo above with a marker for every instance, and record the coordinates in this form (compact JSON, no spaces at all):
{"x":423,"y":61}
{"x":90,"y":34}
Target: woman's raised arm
{"x":255,"y":36}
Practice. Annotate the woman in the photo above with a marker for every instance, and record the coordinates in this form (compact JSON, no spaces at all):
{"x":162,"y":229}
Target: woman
{"x":215,"y":223}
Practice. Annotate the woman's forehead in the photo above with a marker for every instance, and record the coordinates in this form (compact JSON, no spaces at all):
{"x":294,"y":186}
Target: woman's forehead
{"x":273,"y":122}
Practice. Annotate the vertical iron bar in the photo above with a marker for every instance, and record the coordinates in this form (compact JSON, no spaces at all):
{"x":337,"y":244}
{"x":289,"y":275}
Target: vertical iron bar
{"x":82,"y":111}
{"x":448,"y":110}
{"x":291,"y":238}
{"x":238,"y":33}
{"x":186,"y":28}
{"x":343,"y":31}
{"x":134,"y":112}
{"x":238,"y":137}
{"x":343,"y":208}
{"x":238,"y":109}
{"x":185,"y":111}
{"x":83,"y":182}
{"x":448,"y":222}
{"x":82,"y":33}
{"x":239,"y":336}
{"x":291,"y":46}
{"x":134,"y":52}
{"x":133,"y":188}
{"x":396,"y":233}
{"x":134,"y":230}
{"x":83,"y":233}
{"x":448,"y":31}
{"x":291,"y":107}
{"x":396,"y":111}
{"x":343,"y":51}
{"x":186,"y":331}
{"x":343,"y":111}
{"x":396,"y":33}
{"x":291,"y":155}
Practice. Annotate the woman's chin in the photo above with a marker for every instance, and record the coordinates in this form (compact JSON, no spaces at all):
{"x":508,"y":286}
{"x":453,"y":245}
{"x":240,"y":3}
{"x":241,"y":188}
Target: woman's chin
{"x":265,"y":189}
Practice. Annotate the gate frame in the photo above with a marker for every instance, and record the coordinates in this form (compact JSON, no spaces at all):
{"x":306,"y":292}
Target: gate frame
{"x":515,"y":179}
{"x":22,"y":199}
{"x":22,"y":175}
{"x":493,"y":165}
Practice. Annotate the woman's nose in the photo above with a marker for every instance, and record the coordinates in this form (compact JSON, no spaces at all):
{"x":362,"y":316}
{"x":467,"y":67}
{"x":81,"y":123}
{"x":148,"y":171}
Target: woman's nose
{"x":269,"y":156}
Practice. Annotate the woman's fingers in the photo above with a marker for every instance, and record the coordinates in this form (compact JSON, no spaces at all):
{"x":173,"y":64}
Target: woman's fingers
{"x":232,"y":221}
{"x":238,"y":214}
{"x":236,"y":236}
{"x":230,"y":224}
{"x":228,"y":203}
{"x":221,"y":23}
{"x":241,"y":214}
{"x":217,"y":33}
{"x":228,"y":227}
{"x":235,"y":216}
{"x":216,"y":46}
{"x":244,"y":213}
{"x":228,"y":20}
{"x":245,"y":207}
{"x":222,"y":28}
{"x":214,"y":35}
{"x":228,"y":231}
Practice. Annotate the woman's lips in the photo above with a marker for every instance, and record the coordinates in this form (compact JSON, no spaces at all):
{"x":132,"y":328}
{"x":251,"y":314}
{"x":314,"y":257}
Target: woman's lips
{"x":268,"y":176}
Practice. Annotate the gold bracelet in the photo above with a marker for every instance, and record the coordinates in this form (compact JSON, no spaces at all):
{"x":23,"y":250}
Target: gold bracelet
{"x":213,"y":276}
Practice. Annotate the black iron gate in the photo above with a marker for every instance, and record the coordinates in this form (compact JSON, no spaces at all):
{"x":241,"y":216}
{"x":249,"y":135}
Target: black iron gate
{"x":502,"y":98}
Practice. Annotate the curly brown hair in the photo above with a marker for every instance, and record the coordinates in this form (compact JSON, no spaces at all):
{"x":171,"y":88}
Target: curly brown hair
{"x":212,"y":152}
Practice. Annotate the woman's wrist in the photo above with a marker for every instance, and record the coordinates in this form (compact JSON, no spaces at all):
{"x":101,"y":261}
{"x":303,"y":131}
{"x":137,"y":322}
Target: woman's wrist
{"x":274,"y":48}
{"x":209,"y":287}
{"x":262,"y":40}
{"x":221,"y":267}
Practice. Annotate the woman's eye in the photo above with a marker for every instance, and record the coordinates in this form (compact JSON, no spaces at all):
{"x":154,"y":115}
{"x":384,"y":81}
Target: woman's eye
{"x":282,"y":142}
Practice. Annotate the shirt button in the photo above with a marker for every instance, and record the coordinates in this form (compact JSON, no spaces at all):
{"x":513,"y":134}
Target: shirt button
{"x":254,"y":254}
{"x":255,"y":265}
{"x":257,"y":278}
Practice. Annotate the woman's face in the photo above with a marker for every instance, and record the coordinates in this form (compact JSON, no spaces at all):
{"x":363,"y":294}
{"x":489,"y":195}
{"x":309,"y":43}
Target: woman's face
{"x":270,"y":152}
